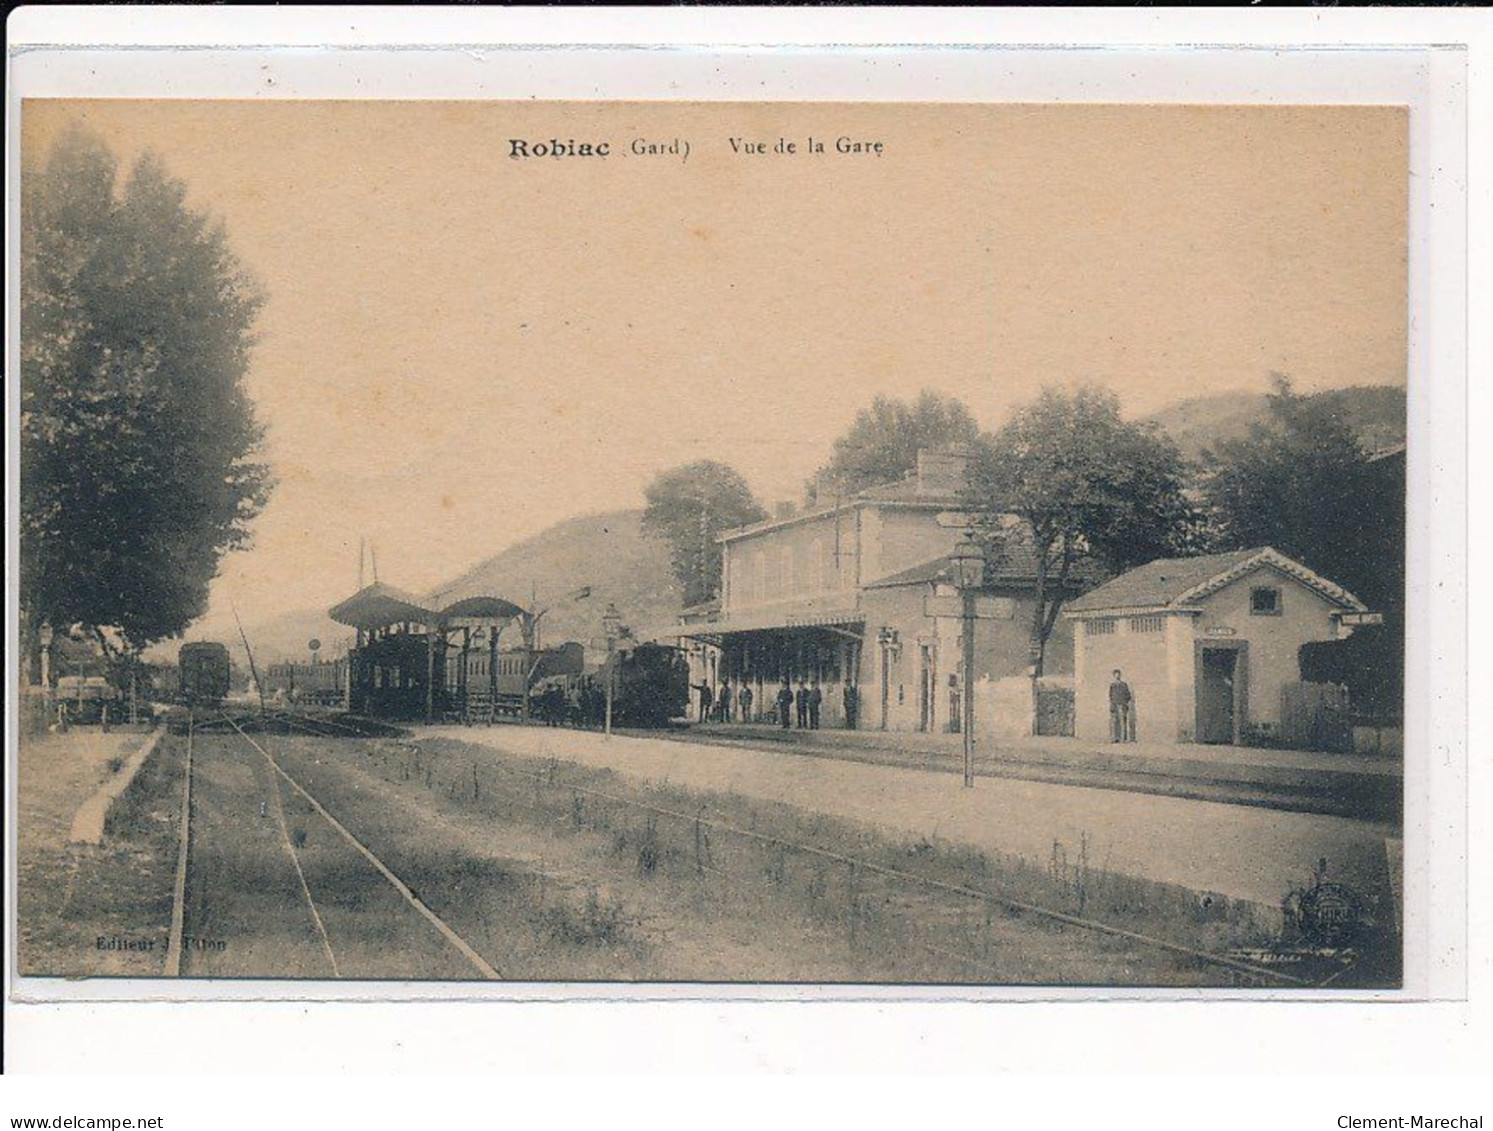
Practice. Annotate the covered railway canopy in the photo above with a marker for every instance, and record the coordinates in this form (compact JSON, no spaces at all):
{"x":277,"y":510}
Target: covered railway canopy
{"x":379,"y":606}
{"x":400,"y":666}
{"x":479,"y":610}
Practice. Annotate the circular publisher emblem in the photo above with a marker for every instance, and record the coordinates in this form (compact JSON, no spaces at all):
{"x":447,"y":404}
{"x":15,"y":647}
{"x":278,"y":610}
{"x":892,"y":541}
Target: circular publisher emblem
{"x":315,"y":645}
{"x":1331,"y":914}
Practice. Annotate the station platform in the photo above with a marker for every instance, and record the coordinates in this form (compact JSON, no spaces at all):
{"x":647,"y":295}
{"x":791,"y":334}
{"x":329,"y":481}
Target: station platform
{"x":1352,"y":785}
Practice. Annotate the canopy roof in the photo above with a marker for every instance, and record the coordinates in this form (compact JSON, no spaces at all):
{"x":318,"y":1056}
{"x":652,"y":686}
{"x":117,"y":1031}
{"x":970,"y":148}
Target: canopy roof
{"x":378,"y":606}
{"x":805,"y":618}
{"x":489,"y":609}
{"x":1179,"y":582}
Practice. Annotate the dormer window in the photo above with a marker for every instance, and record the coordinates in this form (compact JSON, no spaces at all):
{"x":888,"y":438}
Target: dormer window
{"x":1264,"y":601}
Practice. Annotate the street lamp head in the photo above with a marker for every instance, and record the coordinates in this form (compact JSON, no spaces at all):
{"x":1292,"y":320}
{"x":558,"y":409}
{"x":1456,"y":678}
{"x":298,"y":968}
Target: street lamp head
{"x":967,"y":563}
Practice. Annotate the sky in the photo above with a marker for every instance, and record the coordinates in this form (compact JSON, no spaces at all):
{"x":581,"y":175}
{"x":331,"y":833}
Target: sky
{"x":461,"y":347}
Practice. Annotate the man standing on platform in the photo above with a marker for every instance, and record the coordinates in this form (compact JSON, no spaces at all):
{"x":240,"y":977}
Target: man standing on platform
{"x":802,"y":700}
{"x":723,"y":703}
{"x":1121,"y":710}
{"x":746,"y":702}
{"x":816,"y":699}
{"x":785,"y":703}
{"x":707,"y":700}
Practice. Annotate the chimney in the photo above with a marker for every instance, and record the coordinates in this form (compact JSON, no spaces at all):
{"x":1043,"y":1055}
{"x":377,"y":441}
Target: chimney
{"x":943,"y":471}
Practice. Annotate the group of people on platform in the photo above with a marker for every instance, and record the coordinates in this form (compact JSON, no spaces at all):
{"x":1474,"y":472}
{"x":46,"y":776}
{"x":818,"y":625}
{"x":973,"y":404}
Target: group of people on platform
{"x":802,"y":705}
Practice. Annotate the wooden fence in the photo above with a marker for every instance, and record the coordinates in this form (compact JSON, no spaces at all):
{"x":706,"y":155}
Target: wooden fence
{"x":1316,"y":716}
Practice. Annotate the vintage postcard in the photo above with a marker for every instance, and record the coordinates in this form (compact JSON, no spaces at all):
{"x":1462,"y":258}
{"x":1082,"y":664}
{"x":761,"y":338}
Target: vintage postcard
{"x":869,"y":544}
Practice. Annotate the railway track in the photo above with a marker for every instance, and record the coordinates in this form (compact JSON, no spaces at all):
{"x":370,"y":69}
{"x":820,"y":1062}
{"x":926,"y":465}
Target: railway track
{"x":860,"y":871}
{"x":238,"y":890}
{"x":865,"y":877}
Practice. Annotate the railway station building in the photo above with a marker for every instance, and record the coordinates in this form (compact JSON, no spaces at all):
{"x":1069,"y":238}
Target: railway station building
{"x":1209,"y":646}
{"x":856,"y":597}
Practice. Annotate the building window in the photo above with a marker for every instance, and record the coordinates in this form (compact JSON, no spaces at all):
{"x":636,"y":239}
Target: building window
{"x":1102,"y":626}
{"x":1147,"y":624}
{"x":1264,"y":601}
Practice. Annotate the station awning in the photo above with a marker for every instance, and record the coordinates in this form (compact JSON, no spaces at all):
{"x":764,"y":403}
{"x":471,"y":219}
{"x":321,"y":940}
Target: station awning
{"x":479,"y":610}
{"x":843,"y":619}
{"x":378,"y":606}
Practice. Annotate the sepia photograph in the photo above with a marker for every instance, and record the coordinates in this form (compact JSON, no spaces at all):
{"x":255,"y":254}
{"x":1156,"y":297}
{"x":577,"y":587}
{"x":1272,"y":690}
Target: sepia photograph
{"x":844,"y":544}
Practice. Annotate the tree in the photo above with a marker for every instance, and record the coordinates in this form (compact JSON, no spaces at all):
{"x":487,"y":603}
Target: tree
{"x":137,"y":438}
{"x":688,"y":507}
{"x":1301,"y":482}
{"x":882,"y":445}
{"x":1082,"y":484}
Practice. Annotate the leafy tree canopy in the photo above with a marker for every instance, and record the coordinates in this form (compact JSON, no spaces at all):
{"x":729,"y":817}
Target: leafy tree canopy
{"x":1083,"y":484}
{"x":137,"y":438}
{"x":882,"y":445}
{"x":688,"y":507}
{"x":1302,"y":482}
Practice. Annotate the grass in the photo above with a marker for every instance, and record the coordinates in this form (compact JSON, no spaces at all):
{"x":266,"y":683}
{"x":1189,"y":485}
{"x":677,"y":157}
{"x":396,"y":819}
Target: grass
{"x":597,"y":922}
{"x":69,"y":896}
{"x":901,"y":929}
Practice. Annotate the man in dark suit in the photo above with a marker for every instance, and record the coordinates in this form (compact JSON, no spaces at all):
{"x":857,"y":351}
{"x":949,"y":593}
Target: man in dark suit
{"x":802,"y":701}
{"x":785,"y":703}
{"x":1121,"y":710}
{"x":816,"y":698}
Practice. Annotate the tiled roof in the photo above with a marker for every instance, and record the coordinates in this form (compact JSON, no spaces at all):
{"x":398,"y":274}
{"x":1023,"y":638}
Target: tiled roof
{"x":1015,"y":563}
{"x":909,"y":491}
{"x":917,"y":575}
{"x":1175,"y":582}
{"x":904,"y":491}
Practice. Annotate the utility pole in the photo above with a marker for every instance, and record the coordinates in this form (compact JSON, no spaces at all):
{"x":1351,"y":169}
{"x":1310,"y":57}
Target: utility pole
{"x":611,"y":623}
{"x":253,"y":668}
{"x":967,"y":699}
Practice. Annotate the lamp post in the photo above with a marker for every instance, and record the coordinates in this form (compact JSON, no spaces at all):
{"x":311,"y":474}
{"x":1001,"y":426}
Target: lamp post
{"x":891,"y":643}
{"x":967,"y":570}
{"x":44,"y":640}
{"x":611,"y":624}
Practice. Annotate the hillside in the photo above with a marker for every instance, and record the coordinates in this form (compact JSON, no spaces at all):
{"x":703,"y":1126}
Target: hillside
{"x":607,"y":552}
{"x":1376,"y":413}
{"x":285,"y":637}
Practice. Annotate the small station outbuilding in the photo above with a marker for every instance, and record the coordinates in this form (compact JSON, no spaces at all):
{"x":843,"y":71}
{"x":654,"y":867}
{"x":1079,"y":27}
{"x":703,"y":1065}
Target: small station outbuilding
{"x":1207,"y":645}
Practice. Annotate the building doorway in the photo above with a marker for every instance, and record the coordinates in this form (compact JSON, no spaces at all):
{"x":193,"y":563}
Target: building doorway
{"x":1220,"y":673}
{"x":927,"y":687}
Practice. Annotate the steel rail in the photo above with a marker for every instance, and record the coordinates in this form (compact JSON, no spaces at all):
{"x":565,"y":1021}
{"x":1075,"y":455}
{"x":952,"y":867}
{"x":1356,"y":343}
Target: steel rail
{"x":300,"y":875}
{"x":179,"y":887}
{"x":485,"y":968}
{"x":1008,"y":902}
